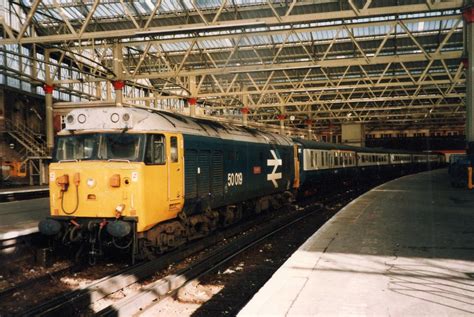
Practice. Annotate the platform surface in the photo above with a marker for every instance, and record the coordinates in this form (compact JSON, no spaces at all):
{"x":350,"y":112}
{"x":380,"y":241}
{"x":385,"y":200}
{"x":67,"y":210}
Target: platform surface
{"x":19,"y":218}
{"x":405,"y":248}
{"x":25,"y":189}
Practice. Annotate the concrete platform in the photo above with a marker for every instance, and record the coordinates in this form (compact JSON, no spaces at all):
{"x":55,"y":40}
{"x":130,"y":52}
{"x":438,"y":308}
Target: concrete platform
{"x":19,"y":218}
{"x":22,"y":193}
{"x":25,"y":189}
{"x":405,"y":248}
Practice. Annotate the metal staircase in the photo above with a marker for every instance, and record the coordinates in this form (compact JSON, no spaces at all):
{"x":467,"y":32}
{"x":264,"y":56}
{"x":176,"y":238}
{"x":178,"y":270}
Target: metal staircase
{"x":33,"y":152}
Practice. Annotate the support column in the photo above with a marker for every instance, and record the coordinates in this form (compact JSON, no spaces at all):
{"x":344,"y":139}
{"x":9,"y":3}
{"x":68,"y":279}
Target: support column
{"x":98,"y":90}
{"x":118,"y":87}
{"x":281,"y":118}
{"x":48,"y":92}
{"x":309,"y":124}
{"x":193,"y":100}
{"x":34,"y":62}
{"x":118,"y":83}
{"x":148,"y":102}
{"x":108,"y":92}
{"x":245,"y":115}
{"x":468,"y":16}
{"x":353,"y":134}
{"x":2,"y":110}
{"x":245,"y":109}
{"x":192,"y":106}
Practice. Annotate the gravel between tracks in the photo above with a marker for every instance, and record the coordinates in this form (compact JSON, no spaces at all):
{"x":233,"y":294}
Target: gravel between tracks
{"x":225,"y":292}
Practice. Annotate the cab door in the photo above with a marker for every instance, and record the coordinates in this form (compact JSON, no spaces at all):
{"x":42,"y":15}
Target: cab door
{"x":175,"y":171}
{"x":297,"y":181}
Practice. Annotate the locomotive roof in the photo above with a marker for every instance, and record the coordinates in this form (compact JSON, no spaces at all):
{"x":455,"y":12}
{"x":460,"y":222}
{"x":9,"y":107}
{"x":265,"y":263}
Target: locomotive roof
{"x":136,"y":120}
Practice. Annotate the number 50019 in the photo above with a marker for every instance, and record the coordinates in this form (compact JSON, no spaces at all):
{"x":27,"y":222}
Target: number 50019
{"x":235,"y":179}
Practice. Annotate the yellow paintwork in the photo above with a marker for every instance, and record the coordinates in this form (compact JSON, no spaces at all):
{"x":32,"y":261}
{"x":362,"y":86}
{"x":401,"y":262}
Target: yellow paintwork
{"x":155,"y":193}
{"x":296,"y":182}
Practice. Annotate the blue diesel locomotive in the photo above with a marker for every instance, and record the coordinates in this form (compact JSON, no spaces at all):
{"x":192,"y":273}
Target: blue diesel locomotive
{"x":148,"y":181}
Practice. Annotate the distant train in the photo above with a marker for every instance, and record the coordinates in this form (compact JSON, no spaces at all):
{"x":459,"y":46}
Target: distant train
{"x":148,"y":181}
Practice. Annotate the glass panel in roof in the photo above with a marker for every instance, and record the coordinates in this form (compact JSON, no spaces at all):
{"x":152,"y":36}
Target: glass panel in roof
{"x":216,"y":43}
{"x":208,"y":4}
{"x":52,"y":13}
{"x":170,"y":47}
{"x":109,"y":10}
{"x":147,"y":5}
{"x":72,"y":13}
{"x":298,"y":37}
{"x":143,"y":7}
{"x":100,"y":12}
{"x":257,"y":40}
{"x":170,"y":6}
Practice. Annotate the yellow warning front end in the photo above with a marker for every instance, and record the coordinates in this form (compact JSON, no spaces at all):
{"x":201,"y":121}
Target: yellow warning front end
{"x":113,"y":185}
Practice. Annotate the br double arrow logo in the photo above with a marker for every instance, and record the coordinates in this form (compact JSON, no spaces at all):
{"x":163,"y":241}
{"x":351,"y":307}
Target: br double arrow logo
{"x":275,"y":162}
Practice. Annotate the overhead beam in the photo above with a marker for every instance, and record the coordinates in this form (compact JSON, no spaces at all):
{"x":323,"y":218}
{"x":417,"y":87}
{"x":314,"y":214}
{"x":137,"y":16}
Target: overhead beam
{"x":343,"y":62}
{"x":134,"y":32}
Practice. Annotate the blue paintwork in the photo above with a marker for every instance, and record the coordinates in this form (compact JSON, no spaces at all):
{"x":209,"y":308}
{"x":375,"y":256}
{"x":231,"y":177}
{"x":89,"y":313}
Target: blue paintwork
{"x":238,"y":157}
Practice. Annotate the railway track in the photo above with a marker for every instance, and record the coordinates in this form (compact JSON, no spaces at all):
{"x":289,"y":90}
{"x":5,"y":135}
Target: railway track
{"x":81,"y":300}
{"x":166,"y":287}
{"x":28,"y":283}
{"x":78,"y":300}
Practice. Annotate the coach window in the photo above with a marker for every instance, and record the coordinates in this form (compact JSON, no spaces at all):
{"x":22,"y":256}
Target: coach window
{"x":155,"y":152}
{"x":174,"y":149}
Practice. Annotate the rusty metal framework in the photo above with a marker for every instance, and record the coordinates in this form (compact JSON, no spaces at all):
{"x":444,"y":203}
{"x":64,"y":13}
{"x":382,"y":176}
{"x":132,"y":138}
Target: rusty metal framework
{"x":387,"y":64}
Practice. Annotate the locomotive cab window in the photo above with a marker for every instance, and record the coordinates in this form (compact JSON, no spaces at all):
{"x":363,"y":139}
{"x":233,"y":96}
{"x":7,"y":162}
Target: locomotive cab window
{"x":120,"y":146}
{"x":100,"y":146}
{"x":155,"y":152}
{"x":174,"y":149}
{"x":77,"y":147}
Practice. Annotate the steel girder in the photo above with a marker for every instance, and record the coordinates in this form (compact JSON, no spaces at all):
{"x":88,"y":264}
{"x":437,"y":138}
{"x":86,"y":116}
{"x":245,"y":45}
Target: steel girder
{"x":370,"y":58}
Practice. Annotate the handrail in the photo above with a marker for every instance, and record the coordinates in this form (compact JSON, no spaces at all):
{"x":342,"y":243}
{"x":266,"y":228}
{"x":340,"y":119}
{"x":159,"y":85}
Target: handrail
{"x":27,"y":137}
{"x":469,"y":178}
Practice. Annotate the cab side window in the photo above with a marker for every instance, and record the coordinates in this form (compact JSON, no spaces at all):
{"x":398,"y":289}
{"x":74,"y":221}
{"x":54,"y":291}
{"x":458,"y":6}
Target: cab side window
{"x":174,"y":149}
{"x":155,"y":151}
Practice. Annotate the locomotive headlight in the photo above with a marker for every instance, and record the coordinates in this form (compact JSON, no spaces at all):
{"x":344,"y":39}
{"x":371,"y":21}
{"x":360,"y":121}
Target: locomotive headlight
{"x":125,"y":117}
{"x":90,"y":182}
{"x":120,"y":208}
{"x":70,"y":118}
{"x":81,"y":118}
{"x":115,"y":117}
